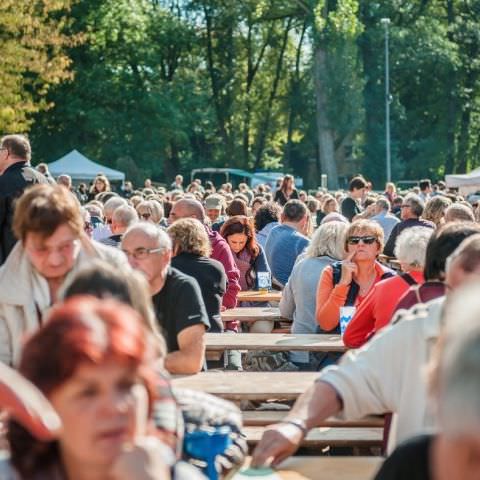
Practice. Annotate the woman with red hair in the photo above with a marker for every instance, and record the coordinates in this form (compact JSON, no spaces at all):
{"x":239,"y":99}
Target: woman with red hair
{"x":93,"y":362}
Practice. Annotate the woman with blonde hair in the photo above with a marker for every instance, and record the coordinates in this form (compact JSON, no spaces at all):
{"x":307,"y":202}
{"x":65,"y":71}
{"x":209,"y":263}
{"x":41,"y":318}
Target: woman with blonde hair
{"x":299,"y":295}
{"x":150,"y":211}
{"x":435,"y":210}
{"x":348,"y":282}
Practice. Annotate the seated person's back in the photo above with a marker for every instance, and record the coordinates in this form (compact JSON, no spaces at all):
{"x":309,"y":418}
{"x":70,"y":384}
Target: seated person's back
{"x":286,"y":241}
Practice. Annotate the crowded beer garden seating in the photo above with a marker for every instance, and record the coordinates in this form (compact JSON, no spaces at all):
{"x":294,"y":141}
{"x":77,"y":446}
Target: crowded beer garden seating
{"x":300,"y":343}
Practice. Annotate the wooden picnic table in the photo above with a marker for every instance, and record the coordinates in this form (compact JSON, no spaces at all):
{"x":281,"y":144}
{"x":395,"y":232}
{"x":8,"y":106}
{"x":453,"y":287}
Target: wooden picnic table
{"x":328,"y":468}
{"x":259,"y":296}
{"x":274,"y":341}
{"x":238,"y":386}
{"x":252,"y":314}
{"x":327,"y":436}
{"x":262,"y":418}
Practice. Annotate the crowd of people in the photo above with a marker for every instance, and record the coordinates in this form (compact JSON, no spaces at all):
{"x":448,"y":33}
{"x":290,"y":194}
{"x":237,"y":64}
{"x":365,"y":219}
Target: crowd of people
{"x":104,"y":294}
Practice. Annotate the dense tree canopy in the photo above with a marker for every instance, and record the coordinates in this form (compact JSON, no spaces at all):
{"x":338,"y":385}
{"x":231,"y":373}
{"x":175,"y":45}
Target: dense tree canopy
{"x":156,"y":87}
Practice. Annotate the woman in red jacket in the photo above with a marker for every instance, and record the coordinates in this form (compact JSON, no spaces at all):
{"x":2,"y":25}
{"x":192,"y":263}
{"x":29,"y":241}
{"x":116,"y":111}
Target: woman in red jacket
{"x":378,"y":306}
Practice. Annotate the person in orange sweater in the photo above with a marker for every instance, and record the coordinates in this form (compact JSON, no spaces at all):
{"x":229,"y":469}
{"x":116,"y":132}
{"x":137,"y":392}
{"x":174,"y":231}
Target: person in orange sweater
{"x":376,"y":310}
{"x":348,"y":282}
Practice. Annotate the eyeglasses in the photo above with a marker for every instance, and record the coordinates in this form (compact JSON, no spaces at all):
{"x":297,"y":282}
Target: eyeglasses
{"x":357,"y":240}
{"x":145,"y":216}
{"x":141,"y":253}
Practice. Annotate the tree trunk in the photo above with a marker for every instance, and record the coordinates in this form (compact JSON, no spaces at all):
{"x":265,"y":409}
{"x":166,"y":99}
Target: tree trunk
{"x":452,"y":102}
{"x":263,"y":133}
{"x":326,"y":144}
{"x":294,"y":91}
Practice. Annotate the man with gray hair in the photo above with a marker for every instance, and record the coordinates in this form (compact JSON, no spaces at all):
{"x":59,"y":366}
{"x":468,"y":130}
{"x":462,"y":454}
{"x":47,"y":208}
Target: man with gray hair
{"x":383,"y":217}
{"x":104,"y":231}
{"x":122,"y":218}
{"x":288,"y":240}
{"x":177,"y":298}
{"x":410,"y":213}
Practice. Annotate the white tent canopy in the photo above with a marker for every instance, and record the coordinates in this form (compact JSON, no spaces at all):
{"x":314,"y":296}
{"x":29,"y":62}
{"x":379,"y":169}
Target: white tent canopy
{"x":465,"y":182}
{"x":80,"y":168}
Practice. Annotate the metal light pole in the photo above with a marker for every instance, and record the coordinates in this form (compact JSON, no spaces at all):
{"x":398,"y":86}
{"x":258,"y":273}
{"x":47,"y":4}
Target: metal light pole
{"x":386,"y":23}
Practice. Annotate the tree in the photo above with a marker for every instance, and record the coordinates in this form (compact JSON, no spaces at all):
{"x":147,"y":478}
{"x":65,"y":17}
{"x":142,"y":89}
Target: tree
{"x":33,"y":57}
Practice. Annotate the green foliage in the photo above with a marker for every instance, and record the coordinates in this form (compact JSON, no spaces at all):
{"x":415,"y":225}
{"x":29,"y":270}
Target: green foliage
{"x":156,"y":87}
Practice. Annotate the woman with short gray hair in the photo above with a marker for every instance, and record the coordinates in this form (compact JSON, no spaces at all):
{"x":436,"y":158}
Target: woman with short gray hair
{"x":376,"y":310}
{"x":298,"y":299}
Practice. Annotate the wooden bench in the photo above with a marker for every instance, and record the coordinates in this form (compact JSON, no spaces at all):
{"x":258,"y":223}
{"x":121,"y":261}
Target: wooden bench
{"x":259,"y":296}
{"x":274,"y":341}
{"x":328,"y":436}
{"x":329,"y":468}
{"x":262,"y":418}
{"x":252,"y":314}
{"x":237,"y":386}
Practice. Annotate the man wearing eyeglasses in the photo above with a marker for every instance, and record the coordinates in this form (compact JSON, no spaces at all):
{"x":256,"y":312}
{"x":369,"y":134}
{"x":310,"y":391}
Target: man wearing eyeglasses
{"x":177,"y":298}
{"x":410,"y":213}
{"x":16,"y":176}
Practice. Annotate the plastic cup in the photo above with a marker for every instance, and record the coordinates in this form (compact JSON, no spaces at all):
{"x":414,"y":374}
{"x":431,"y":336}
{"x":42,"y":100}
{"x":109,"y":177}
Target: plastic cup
{"x":346,"y":314}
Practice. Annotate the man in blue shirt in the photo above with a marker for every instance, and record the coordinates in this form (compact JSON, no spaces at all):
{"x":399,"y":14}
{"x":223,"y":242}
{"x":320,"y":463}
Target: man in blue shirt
{"x":286,"y":241}
{"x":383,"y":216}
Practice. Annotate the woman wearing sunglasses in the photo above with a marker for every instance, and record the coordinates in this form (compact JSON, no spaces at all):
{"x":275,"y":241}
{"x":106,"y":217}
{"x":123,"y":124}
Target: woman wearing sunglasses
{"x":348,"y":282}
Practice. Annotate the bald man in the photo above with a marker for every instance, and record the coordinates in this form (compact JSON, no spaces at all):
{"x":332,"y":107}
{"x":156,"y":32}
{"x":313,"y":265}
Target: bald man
{"x":190,"y":208}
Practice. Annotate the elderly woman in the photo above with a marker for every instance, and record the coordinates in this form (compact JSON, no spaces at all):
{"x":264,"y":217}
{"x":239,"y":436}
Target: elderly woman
{"x":298,"y":299}
{"x":376,"y":310}
{"x":348,"y":282}
{"x":453,"y":452}
{"x":191,"y":251}
{"x":150,"y":211}
{"x":435,"y":210}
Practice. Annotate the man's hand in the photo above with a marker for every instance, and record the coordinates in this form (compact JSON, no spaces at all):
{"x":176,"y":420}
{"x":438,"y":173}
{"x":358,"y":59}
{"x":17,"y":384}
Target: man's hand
{"x":24,"y":402}
{"x":278,"y":442}
{"x":148,"y":459}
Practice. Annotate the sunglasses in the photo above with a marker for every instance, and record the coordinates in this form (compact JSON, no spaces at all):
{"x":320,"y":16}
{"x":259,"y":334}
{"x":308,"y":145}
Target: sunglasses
{"x":145,"y":216}
{"x":357,"y":240}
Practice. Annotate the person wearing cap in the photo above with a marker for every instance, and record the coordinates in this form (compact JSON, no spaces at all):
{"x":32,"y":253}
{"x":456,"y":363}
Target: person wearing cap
{"x":214,"y":205}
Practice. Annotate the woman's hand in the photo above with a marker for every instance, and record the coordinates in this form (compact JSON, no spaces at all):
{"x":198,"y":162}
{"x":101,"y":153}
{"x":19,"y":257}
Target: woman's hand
{"x":349,"y":268}
{"x":24,"y":402}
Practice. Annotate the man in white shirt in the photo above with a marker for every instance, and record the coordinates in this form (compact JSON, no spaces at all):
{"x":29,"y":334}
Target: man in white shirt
{"x":387,"y":375}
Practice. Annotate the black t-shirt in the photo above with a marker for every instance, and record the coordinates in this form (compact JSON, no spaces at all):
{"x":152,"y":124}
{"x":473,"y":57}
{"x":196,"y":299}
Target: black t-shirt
{"x":179,"y":305}
{"x":350,"y":208}
{"x":409,"y":461}
{"x":212,"y":280}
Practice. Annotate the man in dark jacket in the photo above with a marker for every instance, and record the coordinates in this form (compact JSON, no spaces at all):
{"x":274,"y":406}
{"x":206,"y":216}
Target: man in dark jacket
{"x":411,"y":211}
{"x":16,"y":175}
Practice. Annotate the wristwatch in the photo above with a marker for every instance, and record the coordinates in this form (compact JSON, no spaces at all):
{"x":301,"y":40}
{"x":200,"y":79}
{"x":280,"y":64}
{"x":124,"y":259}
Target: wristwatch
{"x":299,"y":423}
